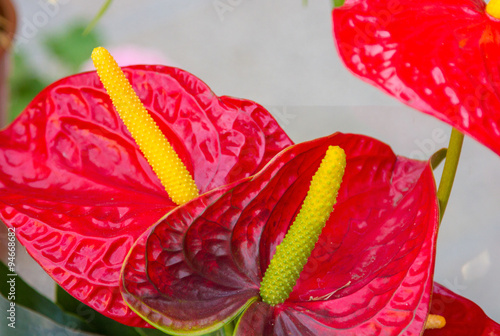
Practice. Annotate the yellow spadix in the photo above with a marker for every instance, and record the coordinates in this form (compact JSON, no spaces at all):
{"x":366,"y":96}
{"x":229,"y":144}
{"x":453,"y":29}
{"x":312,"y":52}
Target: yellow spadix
{"x":165,"y":162}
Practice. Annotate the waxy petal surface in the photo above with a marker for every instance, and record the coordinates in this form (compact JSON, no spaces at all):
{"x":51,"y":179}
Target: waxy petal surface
{"x":79,"y":192}
{"x":463,"y":317}
{"x":438,"y":56}
{"x":370,"y":271}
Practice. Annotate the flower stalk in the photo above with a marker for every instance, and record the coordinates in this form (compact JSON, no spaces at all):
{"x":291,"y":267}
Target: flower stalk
{"x":449,"y":171}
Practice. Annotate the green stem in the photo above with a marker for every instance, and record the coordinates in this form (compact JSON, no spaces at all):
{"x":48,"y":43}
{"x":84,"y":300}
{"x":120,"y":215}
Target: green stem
{"x":96,"y":18}
{"x":337,"y":3}
{"x":449,"y":171}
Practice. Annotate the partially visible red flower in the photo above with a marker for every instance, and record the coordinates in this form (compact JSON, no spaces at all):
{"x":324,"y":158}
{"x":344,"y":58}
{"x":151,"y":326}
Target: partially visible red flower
{"x":438,"y":56}
{"x":369,"y":274}
{"x":78,"y":191}
{"x":463,"y":317}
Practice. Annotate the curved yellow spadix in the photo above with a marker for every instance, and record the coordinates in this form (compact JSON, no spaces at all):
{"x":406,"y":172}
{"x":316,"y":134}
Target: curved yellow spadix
{"x":493,"y":8}
{"x":155,"y":147}
{"x":292,"y":254}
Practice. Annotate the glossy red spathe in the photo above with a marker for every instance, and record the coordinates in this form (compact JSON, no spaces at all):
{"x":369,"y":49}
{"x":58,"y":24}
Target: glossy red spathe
{"x":370,"y":272}
{"x":79,"y":192}
{"x":438,"y":56}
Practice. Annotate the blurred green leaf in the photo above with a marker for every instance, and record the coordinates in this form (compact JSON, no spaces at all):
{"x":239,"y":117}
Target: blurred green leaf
{"x":96,"y":320}
{"x":70,"y":47}
{"x":24,"y":295}
{"x":24,"y":82}
{"x":29,"y":322}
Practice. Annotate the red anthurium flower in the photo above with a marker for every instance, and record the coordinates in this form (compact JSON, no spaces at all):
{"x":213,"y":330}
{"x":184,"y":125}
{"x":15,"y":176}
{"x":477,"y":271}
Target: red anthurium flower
{"x":370,"y":272}
{"x":78,"y":191}
{"x":463,"y":317}
{"x":438,"y":56}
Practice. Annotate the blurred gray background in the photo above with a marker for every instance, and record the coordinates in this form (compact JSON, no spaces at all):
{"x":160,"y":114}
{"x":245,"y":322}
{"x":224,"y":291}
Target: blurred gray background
{"x":281,"y":54}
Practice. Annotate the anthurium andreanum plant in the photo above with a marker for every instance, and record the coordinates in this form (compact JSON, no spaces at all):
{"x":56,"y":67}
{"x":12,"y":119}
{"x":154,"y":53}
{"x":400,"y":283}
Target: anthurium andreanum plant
{"x":230,"y":223}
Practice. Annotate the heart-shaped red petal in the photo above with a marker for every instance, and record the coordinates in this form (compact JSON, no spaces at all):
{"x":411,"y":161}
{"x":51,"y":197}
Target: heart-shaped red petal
{"x":79,"y":192}
{"x":438,"y":56}
{"x":463,"y":317}
{"x":371,"y":269}
{"x":170,"y":309}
